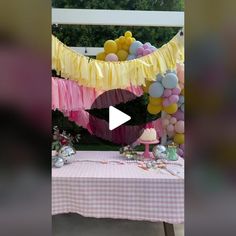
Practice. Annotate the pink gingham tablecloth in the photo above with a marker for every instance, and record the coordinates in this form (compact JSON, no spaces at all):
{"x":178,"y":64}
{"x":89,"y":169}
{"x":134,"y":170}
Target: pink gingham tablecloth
{"x":115,"y":190}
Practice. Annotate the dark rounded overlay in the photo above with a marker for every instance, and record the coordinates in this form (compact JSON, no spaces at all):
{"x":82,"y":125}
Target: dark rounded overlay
{"x":127,"y":133}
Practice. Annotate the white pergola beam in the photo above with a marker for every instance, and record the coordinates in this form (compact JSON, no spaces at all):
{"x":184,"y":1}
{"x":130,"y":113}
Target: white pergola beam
{"x":117,"y":17}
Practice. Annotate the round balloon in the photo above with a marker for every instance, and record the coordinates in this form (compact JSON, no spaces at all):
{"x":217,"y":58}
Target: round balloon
{"x":165,"y":122}
{"x":166,"y":102}
{"x":174,"y":98}
{"x":176,"y":91}
{"x":131,"y":57}
{"x":101,"y":56}
{"x":122,"y":55}
{"x":179,"y":115}
{"x":153,"y":49}
{"x":170,"y":128}
{"x":171,"y":109}
{"x":170,"y":81}
{"x":134,"y":46}
{"x":155,"y":101}
{"x":154,"y":109}
{"x":179,"y":138}
{"x":146,"y":52}
{"x":156,"y":90}
{"x":128,"y":34}
{"x":128,"y":41}
{"x":173,"y":120}
{"x":122,"y":39}
{"x":147,"y":44}
{"x":111,"y":57}
{"x":167,"y":93}
{"x":110,"y":46}
{"x":179,"y":126}
{"x":182,"y":107}
{"x":140,"y":51}
{"x":180,"y":152}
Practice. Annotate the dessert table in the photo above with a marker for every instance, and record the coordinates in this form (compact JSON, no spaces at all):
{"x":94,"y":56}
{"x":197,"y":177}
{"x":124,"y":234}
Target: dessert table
{"x":103,"y":184}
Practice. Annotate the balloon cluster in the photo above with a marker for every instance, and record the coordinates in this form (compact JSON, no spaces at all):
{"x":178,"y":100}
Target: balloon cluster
{"x":124,"y":48}
{"x":137,"y":49}
{"x":174,"y":123}
{"x":164,"y":94}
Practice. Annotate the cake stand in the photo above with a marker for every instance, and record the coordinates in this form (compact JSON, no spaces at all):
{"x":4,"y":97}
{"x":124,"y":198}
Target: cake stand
{"x":147,"y":153}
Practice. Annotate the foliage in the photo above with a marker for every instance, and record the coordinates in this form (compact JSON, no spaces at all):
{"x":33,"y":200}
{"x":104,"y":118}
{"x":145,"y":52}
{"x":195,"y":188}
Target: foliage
{"x":95,"y":36}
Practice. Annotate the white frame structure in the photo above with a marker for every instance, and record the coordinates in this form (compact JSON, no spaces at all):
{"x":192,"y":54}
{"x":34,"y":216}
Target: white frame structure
{"x":115,"y":17}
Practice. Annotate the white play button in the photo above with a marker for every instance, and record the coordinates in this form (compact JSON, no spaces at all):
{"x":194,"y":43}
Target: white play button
{"x":116,"y":118}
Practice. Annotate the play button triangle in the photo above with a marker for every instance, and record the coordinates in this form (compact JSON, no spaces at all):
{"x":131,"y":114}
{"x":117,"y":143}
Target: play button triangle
{"x":117,"y":118}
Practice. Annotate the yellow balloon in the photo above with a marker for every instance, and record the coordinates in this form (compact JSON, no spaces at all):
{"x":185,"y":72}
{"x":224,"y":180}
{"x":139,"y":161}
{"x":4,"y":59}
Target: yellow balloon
{"x":146,"y":88}
{"x":101,"y":56}
{"x":128,"y":41}
{"x":122,"y":55}
{"x":179,"y":138}
{"x":154,"y":109}
{"x":128,"y":34}
{"x":155,"y":101}
{"x":125,"y":47}
{"x":110,"y":46}
{"x":171,"y":109}
{"x":122,"y":39}
{"x":133,"y":39}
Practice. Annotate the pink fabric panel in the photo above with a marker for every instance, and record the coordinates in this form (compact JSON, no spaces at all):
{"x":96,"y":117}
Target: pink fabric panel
{"x":80,"y":117}
{"x":67,"y":95}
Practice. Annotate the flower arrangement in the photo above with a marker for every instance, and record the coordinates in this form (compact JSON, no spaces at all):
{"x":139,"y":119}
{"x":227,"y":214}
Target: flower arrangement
{"x":63,"y":139}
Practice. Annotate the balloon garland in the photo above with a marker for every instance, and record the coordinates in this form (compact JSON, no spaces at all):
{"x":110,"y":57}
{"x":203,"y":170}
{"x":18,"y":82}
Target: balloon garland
{"x":124,"y":48}
{"x":166,"y":93}
{"x":174,"y":123}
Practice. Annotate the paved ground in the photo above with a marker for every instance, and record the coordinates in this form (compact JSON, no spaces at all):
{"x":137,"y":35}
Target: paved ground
{"x":76,"y":225}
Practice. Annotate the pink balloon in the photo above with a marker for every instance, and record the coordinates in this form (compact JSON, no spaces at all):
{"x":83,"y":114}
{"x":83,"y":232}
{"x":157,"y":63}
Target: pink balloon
{"x":180,"y":152}
{"x":179,"y":127}
{"x":174,"y":98}
{"x":173,"y":120}
{"x":176,"y":91}
{"x":167,"y":93}
{"x":146,"y":52}
{"x":140,"y":51}
{"x":170,"y":128}
{"x":179,"y":115}
{"x":145,"y":46}
{"x":166,"y":102}
{"x":165,"y":122}
{"x":111,"y":57}
{"x":139,"y":56}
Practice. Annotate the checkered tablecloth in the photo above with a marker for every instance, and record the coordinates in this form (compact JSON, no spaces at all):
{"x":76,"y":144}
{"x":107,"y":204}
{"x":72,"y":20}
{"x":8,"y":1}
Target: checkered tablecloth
{"x":118,"y":190}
